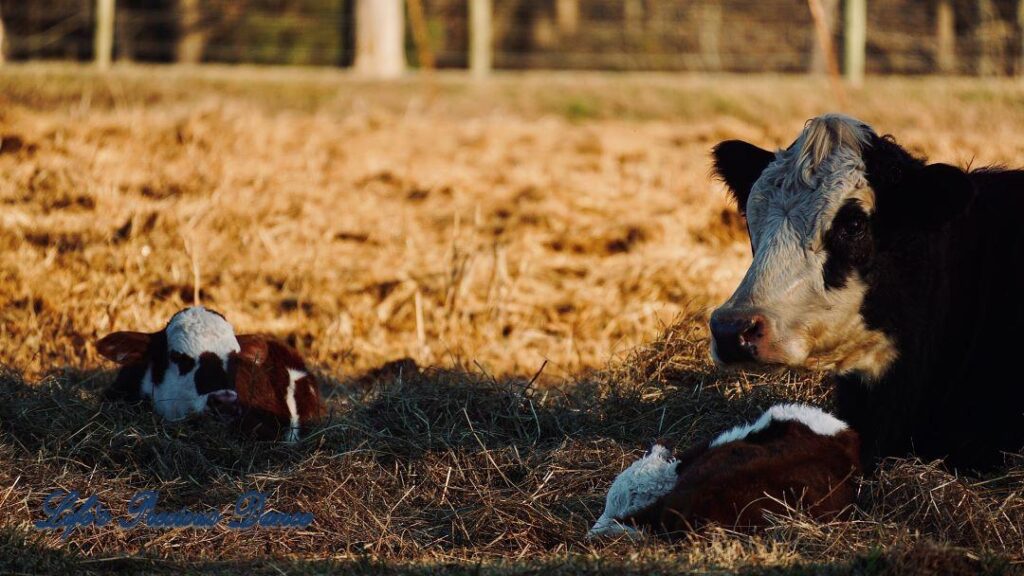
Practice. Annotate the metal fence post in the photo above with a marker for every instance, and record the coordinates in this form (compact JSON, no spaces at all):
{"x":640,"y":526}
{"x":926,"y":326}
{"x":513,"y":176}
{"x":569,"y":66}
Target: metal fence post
{"x":856,"y":40}
{"x":480,"y":37}
{"x":103,"y":42}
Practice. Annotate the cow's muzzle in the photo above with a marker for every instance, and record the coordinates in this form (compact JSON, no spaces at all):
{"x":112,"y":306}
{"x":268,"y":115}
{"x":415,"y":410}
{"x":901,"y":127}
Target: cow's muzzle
{"x":738,"y":337}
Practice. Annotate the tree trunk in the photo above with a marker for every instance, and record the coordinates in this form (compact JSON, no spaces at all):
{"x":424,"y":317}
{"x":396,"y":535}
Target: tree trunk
{"x":819,"y":60}
{"x":192,"y":38}
{"x":945,"y":37}
{"x":380,"y":38}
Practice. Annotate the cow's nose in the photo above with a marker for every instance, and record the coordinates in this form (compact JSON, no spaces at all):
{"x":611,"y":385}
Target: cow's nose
{"x":737,"y":336}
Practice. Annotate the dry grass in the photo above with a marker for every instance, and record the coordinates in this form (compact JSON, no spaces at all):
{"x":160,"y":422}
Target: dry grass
{"x":545,"y":247}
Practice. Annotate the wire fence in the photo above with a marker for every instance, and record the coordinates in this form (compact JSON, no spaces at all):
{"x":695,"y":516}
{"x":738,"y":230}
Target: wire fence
{"x":903,"y":36}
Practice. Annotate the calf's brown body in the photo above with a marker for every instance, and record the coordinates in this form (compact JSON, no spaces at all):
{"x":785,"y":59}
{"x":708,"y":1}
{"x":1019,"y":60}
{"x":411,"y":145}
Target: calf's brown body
{"x":736,"y":484}
{"x":793,"y":456}
{"x":277,"y":396}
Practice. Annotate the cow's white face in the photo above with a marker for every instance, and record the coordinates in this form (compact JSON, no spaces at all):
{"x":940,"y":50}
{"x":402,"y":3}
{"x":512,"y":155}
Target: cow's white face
{"x":809,"y":214}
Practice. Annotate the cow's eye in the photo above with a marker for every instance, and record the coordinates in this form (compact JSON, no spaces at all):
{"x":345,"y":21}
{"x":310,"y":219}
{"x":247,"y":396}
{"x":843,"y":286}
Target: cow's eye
{"x":851,"y":223}
{"x":856,"y":227}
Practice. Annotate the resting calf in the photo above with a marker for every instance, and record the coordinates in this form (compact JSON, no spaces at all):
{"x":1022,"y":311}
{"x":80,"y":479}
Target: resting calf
{"x":792,"y":454}
{"x":197,"y":358}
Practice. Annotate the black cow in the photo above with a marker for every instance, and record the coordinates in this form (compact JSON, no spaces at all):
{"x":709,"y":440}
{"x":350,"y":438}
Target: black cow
{"x":904,"y":279}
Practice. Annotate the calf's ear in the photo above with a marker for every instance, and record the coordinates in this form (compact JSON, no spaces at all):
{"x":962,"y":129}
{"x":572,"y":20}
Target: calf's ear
{"x":253,"y":348}
{"x":124,"y":347}
{"x":930,"y":197}
{"x":739,"y":164}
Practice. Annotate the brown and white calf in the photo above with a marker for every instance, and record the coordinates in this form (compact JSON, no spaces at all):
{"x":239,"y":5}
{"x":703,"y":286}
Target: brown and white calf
{"x":792,"y":454}
{"x":197,"y":358}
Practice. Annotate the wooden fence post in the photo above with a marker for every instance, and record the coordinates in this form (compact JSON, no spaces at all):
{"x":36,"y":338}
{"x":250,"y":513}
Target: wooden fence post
{"x":480,"y":37}
{"x":380,"y":38}
{"x":3,"y":52}
{"x":421,"y":35}
{"x":567,"y":14}
{"x":992,"y":33}
{"x":710,"y":37}
{"x":856,"y":40}
{"x":103,"y":42}
{"x":192,"y":40}
{"x":1020,"y":26}
{"x":945,"y":37}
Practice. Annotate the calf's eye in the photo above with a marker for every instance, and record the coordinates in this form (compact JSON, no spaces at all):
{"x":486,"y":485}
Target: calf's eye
{"x":184,"y":362}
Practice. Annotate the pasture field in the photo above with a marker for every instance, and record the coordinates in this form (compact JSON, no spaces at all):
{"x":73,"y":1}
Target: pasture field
{"x":503,"y":287}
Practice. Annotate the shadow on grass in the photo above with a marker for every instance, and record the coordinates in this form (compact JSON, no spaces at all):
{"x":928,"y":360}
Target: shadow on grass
{"x":24,"y":553}
{"x":410,"y":460}
{"x":397,"y":412}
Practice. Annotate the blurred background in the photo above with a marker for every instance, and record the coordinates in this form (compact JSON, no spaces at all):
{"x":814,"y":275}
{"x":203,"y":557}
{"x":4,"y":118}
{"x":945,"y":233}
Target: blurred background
{"x":977,"y":37}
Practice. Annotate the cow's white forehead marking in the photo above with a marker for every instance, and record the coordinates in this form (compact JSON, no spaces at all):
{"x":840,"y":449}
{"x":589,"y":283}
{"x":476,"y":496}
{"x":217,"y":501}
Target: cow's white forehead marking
{"x":196,"y":330}
{"x":636,"y":488}
{"x":806,"y":184}
{"x":819,"y":421}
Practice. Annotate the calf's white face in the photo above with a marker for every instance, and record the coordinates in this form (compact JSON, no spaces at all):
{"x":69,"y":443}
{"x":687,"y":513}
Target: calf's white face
{"x":198,"y":344}
{"x":183,"y":363}
{"x":808,"y":211}
{"x":636,"y":488}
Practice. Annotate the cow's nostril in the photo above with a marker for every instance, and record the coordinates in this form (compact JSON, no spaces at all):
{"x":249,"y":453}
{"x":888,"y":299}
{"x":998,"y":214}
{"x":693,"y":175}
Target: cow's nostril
{"x":736,"y":337}
{"x":753,"y":333}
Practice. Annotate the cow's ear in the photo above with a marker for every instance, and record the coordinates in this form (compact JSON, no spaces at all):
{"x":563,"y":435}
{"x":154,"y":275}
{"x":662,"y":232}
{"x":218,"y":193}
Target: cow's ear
{"x":739,"y":164}
{"x":932,"y":196}
{"x":125,"y":347}
{"x":253,"y":348}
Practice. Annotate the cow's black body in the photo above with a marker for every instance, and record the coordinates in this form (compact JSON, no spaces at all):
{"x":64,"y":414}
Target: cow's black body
{"x":951,"y":296}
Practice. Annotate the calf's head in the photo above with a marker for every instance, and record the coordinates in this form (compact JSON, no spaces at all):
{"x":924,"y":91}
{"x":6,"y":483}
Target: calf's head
{"x":635,"y":489}
{"x":179,"y":366}
{"x":821,"y":214}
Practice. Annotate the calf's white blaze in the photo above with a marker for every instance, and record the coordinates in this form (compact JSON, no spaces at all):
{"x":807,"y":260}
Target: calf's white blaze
{"x":789,"y":210}
{"x":819,"y":421}
{"x":293,"y":408}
